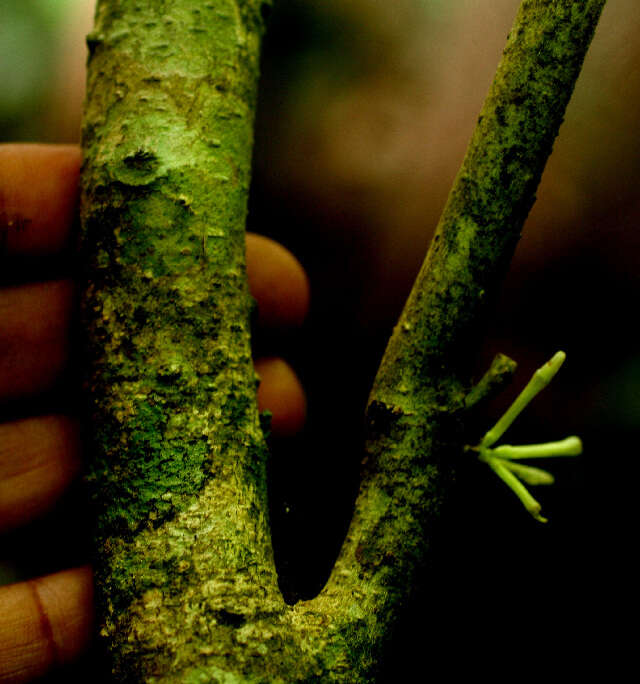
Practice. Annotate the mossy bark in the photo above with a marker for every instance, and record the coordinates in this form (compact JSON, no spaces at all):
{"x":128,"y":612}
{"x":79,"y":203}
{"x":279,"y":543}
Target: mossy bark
{"x":187,"y":589}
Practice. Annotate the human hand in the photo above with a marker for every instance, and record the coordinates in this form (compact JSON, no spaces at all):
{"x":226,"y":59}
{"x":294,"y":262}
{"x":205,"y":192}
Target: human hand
{"x":46,"y":622}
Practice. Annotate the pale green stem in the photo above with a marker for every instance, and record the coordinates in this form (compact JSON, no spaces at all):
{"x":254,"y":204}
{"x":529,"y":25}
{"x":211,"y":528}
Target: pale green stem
{"x":499,"y":374}
{"x":519,"y":489}
{"x":540,"y":379}
{"x":529,"y":474}
{"x":571,"y":446}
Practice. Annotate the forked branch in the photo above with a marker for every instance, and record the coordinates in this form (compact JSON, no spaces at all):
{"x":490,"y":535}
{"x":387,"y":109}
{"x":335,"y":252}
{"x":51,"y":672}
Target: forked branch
{"x":187,"y":590}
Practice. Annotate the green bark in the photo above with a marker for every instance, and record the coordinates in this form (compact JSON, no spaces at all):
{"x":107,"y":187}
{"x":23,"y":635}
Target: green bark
{"x":186,"y":584}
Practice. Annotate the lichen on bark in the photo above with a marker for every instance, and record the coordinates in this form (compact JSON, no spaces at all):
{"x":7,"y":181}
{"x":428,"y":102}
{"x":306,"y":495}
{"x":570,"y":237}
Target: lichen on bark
{"x":178,"y":454}
{"x":187,"y":588}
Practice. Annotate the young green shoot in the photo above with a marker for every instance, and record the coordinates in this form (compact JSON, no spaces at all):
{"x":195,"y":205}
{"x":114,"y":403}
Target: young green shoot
{"x":501,"y":458}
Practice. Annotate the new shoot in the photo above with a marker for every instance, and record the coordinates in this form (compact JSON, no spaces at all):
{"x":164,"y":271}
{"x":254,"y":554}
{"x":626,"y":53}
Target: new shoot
{"x":502,"y":459}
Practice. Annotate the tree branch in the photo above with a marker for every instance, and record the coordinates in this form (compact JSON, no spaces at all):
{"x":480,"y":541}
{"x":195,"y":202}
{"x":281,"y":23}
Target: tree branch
{"x":186,"y":583}
{"x":178,"y":458}
{"x":415,"y":413}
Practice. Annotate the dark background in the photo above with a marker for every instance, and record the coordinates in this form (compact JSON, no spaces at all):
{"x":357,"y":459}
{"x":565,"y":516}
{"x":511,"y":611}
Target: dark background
{"x":364,"y":115}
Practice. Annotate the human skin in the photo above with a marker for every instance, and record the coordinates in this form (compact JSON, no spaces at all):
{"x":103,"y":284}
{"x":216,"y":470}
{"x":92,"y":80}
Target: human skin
{"x":46,"y":622}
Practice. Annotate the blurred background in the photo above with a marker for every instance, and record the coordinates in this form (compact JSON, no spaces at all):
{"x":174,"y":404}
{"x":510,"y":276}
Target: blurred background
{"x":365,"y":111}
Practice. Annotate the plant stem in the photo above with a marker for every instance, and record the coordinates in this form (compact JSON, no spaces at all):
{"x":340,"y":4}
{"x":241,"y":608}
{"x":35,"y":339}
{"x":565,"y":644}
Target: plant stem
{"x":415,"y":414}
{"x":570,"y":446}
{"x":186,"y":583}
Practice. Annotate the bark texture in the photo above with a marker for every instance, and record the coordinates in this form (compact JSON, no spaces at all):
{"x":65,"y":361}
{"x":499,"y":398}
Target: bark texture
{"x":187,"y":589}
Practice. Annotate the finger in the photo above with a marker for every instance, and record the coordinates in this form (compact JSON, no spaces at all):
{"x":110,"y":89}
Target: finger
{"x":34,"y":336}
{"x":44,"y":623}
{"x":38,"y":197}
{"x":277,"y":281}
{"x":281,"y":393}
{"x":39,"y":457}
